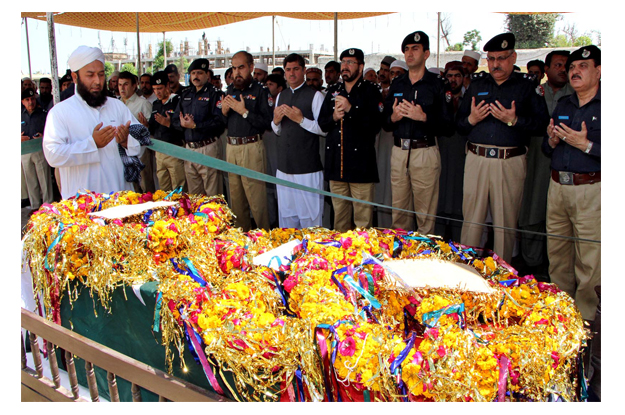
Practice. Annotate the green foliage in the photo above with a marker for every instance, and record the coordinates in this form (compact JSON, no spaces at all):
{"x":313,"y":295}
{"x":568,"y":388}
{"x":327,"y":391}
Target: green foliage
{"x":456,"y":47}
{"x":532,"y":31}
{"x":560,"y":41}
{"x":108,"y":69}
{"x":170,"y":48}
{"x":158,"y":64}
{"x":472,"y":38}
{"x":583,"y":41}
{"x":129,"y":67}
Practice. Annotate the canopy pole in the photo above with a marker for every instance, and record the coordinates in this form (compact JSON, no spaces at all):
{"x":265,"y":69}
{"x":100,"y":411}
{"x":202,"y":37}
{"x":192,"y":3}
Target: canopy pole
{"x":56,"y":93}
{"x":273,"y":41}
{"x":336,"y":35}
{"x":139,"y":69}
{"x":164,"y":51}
{"x":30,"y":71}
{"x":438,"y":42}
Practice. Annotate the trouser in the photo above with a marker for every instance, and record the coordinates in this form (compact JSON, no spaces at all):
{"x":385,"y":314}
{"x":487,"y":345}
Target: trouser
{"x":575,"y":266}
{"x":147,"y":174}
{"x":419,"y":185}
{"x":345,"y":209}
{"x":201,"y":179}
{"x":500,"y":182}
{"x":170,"y":172}
{"x":533,"y":246}
{"x":248,"y":194}
{"x":38,"y":178}
{"x":23,"y":182}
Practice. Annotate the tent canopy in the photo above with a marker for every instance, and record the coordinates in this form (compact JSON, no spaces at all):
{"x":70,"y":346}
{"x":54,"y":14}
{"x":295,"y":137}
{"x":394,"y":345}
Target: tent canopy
{"x":176,"y":21}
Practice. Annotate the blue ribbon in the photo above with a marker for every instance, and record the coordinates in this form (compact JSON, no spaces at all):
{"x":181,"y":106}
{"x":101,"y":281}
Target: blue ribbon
{"x":335,"y":244}
{"x":59,"y":236}
{"x":193,"y":273}
{"x":173,"y":192}
{"x":189,"y":342}
{"x":395,"y":366}
{"x":372,"y":300}
{"x":508,"y":283}
{"x":157,"y":312}
{"x":146,"y":218}
{"x":456,"y":250}
{"x":427,"y":251}
{"x":300,"y":386}
{"x":436,"y":315}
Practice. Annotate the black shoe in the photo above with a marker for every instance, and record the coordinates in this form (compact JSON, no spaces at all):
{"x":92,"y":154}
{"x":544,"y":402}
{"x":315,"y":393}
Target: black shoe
{"x":25,"y":203}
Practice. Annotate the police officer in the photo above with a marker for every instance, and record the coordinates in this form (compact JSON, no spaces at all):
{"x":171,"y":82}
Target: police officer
{"x":247,"y":110}
{"x":499,"y":112}
{"x":36,"y":169}
{"x":198,"y":115}
{"x":416,"y":111}
{"x":573,"y":142}
{"x":169,"y":169}
{"x":351,"y":114}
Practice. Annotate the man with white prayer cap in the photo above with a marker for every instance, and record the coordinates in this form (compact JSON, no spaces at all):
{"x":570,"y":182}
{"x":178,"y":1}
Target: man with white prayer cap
{"x":370,"y":75}
{"x":398,"y":67}
{"x":92,"y":139}
{"x":470,"y":63}
{"x":261,"y":71}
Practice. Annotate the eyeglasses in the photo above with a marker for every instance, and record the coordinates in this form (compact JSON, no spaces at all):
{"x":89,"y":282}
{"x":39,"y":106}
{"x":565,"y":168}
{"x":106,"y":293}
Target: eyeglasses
{"x":349,"y":62}
{"x":498,"y":59}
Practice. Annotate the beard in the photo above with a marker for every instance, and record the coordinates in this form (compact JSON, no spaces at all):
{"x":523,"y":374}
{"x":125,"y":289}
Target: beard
{"x":241,"y":83}
{"x":351,"y":77}
{"x":45,"y":96}
{"x":93,"y":99}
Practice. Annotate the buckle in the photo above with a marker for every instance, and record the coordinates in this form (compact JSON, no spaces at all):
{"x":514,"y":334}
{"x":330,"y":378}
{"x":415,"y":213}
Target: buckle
{"x":491,"y":153}
{"x":243,"y":140}
{"x":233,"y":140}
{"x":566,"y":177}
{"x":405,"y":143}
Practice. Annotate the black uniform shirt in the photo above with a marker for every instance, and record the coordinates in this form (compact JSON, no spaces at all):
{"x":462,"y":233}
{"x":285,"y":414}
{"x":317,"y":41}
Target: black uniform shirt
{"x":258,"y":102}
{"x":160,"y":132}
{"x":429,"y":93}
{"x":205,"y":106}
{"x":33,"y":123}
{"x":360,"y":127}
{"x":531,"y":110}
{"x":566,"y":157}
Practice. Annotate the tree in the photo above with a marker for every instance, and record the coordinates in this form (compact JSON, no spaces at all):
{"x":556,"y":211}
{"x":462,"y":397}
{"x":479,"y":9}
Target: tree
{"x":532,"y":31}
{"x":457,"y":47}
{"x":583,"y":41}
{"x":129,"y":67}
{"x":560,"y":41}
{"x":159,"y":60}
{"x":472,"y":38}
{"x":446,"y":28}
{"x":108,"y":69}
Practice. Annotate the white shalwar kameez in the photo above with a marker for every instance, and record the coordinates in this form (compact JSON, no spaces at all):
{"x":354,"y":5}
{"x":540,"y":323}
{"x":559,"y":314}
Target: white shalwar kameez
{"x":68,"y":145}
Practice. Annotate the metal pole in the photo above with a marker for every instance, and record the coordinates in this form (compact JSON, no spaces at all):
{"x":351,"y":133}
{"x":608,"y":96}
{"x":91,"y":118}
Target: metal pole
{"x":273,"y":41}
{"x":54,"y":66}
{"x":30,"y":71}
{"x":164,"y":51}
{"x":139,"y":69}
{"x":438,"y":42}
{"x":336,"y":35}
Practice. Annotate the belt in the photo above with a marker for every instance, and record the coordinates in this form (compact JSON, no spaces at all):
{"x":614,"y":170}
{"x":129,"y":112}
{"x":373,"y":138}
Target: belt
{"x":495,"y":152}
{"x":235,"y":141}
{"x":199,"y":144}
{"x":406,"y":143}
{"x":568,"y":178}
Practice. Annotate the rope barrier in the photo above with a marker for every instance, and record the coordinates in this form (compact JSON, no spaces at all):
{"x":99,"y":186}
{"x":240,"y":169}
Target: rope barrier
{"x":33,"y":146}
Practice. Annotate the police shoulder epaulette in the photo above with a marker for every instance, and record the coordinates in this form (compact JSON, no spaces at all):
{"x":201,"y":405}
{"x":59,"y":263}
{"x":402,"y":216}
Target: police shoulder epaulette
{"x":478,"y":75}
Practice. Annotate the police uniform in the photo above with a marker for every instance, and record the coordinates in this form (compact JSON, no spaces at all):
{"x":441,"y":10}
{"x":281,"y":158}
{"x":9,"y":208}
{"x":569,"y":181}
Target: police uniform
{"x":246,"y":149}
{"x":415,"y":159}
{"x":37,"y":173}
{"x":495,"y":166}
{"x":169,"y":169}
{"x":205,"y":106}
{"x":574,"y":198}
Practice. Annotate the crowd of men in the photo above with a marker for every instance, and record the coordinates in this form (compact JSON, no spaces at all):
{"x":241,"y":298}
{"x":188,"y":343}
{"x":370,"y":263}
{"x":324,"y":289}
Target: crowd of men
{"x":458,"y":146}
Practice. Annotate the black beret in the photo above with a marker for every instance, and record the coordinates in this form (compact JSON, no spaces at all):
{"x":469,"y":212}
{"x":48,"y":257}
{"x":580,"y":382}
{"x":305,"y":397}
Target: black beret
{"x":419,"y":38}
{"x":388,"y":60}
{"x":585,"y":52}
{"x":159,"y":78}
{"x":201,"y":64}
{"x":27,"y":93}
{"x":353,"y":53}
{"x":171,"y":68}
{"x":501,"y":42}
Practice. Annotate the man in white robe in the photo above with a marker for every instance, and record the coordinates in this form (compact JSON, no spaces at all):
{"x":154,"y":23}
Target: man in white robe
{"x":82,"y":133}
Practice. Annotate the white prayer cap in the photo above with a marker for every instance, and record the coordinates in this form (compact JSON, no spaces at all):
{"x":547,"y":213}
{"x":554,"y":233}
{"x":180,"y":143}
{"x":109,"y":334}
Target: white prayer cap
{"x":399,"y":63}
{"x":261,"y":66}
{"x":84,"y":55}
{"x":367,"y":70}
{"x":436,"y":71}
{"x":472,"y":54}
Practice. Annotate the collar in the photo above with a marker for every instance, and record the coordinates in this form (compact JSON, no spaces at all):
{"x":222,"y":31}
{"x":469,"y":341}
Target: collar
{"x":575,"y":99}
{"x":132,"y":98}
{"x":301,"y":85}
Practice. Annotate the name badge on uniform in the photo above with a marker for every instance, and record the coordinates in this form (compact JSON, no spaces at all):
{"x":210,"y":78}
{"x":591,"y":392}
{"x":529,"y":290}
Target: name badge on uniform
{"x":398,"y":94}
{"x":482,"y":93}
{"x":563,"y":117}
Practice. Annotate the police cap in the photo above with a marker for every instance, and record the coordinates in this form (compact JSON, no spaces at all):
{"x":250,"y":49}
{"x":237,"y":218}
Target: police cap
{"x":501,"y":42}
{"x":171,"y":68}
{"x":353,"y":53}
{"x":418,"y":38}
{"x":585,"y":52}
{"x":159,"y":78}
{"x":27,"y":93}
{"x":201,"y":64}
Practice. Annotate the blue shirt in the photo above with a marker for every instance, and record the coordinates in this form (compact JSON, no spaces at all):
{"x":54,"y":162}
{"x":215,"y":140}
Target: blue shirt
{"x":566,"y":157}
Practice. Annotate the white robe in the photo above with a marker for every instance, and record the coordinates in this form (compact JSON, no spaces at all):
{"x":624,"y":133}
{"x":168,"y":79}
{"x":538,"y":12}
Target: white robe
{"x":68,"y":145}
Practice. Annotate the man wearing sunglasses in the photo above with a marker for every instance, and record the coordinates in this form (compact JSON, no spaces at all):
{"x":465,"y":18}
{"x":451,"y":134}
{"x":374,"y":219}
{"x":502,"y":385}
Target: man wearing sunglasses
{"x":500,"y":111}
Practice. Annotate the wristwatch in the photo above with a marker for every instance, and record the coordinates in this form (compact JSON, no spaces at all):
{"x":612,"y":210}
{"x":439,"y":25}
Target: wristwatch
{"x":245,"y":113}
{"x":511,"y":123}
{"x":587,"y":151}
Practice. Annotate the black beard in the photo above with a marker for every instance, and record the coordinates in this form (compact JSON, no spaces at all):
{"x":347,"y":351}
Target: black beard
{"x":351,"y":78}
{"x":242,"y":83}
{"x":94,"y":100}
{"x":45,"y":97}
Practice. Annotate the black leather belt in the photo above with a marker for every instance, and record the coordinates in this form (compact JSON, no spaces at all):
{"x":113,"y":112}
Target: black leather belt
{"x":407,"y":143}
{"x":200,"y":144}
{"x":568,"y":178}
{"x":495,"y":152}
{"x":235,"y":141}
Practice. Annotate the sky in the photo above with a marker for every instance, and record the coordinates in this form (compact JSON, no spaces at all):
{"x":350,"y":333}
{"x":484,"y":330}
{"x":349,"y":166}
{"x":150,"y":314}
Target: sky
{"x":380,"y":34}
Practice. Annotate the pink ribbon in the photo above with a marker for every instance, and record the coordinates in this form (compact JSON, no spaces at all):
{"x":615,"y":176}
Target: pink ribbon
{"x":207,"y":370}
